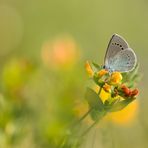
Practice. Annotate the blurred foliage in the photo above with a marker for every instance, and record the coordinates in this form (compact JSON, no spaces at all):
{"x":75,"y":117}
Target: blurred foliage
{"x":43,"y":46}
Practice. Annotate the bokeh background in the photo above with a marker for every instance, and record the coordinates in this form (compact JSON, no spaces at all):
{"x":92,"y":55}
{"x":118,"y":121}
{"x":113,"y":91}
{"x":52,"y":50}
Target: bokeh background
{"x":43,"y":49}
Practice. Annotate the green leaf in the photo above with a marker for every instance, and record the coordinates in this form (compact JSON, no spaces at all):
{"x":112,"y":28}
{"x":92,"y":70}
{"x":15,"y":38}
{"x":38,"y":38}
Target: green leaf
{"x":93,"y":99}
{"x":96,"y":66}
{"x":120,"y":105}
{"x":131,"y":76}
{"x":97,"y":114}
{"x":96,"y":80}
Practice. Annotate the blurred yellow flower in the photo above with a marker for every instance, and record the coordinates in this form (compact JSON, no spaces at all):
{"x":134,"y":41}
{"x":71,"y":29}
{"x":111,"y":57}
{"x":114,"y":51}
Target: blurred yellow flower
{"x":89,"y":69}
{"x":102,"y":72}
{"x":116,"y":78}
{"x":15,"y":74}
{"x":107,"y":87}
{"x":126,"y":115}
{"x":62,"y":52}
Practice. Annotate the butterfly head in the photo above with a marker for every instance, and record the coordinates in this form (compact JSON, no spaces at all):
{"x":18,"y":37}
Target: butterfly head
{"x":108,"y":69}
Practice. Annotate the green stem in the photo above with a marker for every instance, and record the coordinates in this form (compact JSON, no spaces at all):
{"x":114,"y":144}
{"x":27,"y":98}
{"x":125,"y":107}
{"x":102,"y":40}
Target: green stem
{"x":85,"y":132}
{"x":85,"y":115}
{"x":100,"y":90}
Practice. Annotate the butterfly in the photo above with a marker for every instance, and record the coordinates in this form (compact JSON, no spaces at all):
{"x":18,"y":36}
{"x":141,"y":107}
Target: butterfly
{"x":119,"y":56}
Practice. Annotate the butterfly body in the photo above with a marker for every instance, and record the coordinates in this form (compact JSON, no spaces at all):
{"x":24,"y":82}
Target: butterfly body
{"x":119,"y":56}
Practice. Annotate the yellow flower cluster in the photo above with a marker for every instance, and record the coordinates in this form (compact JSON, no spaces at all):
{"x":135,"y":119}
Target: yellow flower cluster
{"x":114,"y":79}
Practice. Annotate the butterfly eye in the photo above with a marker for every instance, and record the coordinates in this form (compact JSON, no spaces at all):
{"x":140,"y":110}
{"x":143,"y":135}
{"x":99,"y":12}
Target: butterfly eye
{"x":104,"y":67}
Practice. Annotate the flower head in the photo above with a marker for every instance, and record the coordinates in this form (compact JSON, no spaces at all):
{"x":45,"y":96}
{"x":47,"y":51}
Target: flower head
{"x":118,"y":87}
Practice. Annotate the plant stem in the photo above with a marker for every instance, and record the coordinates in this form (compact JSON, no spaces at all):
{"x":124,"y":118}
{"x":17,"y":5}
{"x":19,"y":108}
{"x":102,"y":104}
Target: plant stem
{"x":100,"y":90}
{"x":85,"y":132}
{"x":85,"y":115}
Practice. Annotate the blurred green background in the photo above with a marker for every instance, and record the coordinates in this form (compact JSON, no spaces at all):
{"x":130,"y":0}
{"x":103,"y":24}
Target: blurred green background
{"x":43,"y":49}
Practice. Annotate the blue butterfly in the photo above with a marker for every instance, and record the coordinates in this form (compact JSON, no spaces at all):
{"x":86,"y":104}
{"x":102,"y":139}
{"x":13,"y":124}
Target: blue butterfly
{"x":119,"y":56}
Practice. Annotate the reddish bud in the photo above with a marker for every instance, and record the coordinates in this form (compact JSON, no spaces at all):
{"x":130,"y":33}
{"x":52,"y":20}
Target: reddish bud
{"x":134,"y":92}
{"x":126,"y":90}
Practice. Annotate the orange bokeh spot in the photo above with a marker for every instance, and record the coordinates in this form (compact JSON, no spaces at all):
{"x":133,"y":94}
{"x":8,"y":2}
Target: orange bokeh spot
{"x":60,"y":53}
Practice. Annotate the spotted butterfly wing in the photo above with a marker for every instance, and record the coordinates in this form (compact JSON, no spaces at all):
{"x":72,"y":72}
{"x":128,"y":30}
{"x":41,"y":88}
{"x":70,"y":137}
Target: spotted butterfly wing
{"x":119,"y":56}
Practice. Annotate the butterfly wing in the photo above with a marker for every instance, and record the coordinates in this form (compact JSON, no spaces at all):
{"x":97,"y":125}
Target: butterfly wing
{"x":116,"y":44}
{"x":123,"y":61}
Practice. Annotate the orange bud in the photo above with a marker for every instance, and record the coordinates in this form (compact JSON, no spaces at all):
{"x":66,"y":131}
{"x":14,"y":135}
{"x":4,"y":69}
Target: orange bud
{"x":89,"y":69}
{"x":116,"y":78}
{"x":107,"y":87}
{"x":102,"y":72}
{"x":126,"y":90}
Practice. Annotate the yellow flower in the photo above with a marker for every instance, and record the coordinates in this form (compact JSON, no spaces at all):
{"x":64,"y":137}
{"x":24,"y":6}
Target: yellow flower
{"x":107,"y":87}
{"x":102,"y":72}
{"x":89,"y":69}
{"x":116,"y":78}
{"x":103,"y":95}
{"x":126,"y":115}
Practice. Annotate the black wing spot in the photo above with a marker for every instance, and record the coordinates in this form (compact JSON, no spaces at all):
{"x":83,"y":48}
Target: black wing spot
{"x":117,"y":44}
{"x":122,"y":48}
{"x":120,"y":45}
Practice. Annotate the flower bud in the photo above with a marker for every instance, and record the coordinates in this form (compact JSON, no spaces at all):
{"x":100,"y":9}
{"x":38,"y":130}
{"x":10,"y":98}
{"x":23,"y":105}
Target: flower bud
{"x":116,"y":78}
{"x":102,"y":72}
{"x":134,"y":92}
{"x":107,"y":87}
{"x":126,"y":90}
{"x":89,"y":69}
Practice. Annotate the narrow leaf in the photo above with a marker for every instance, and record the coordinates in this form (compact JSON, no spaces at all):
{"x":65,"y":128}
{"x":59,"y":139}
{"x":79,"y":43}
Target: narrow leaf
{"x":120,"y":105}
{"x":96,"y":66}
